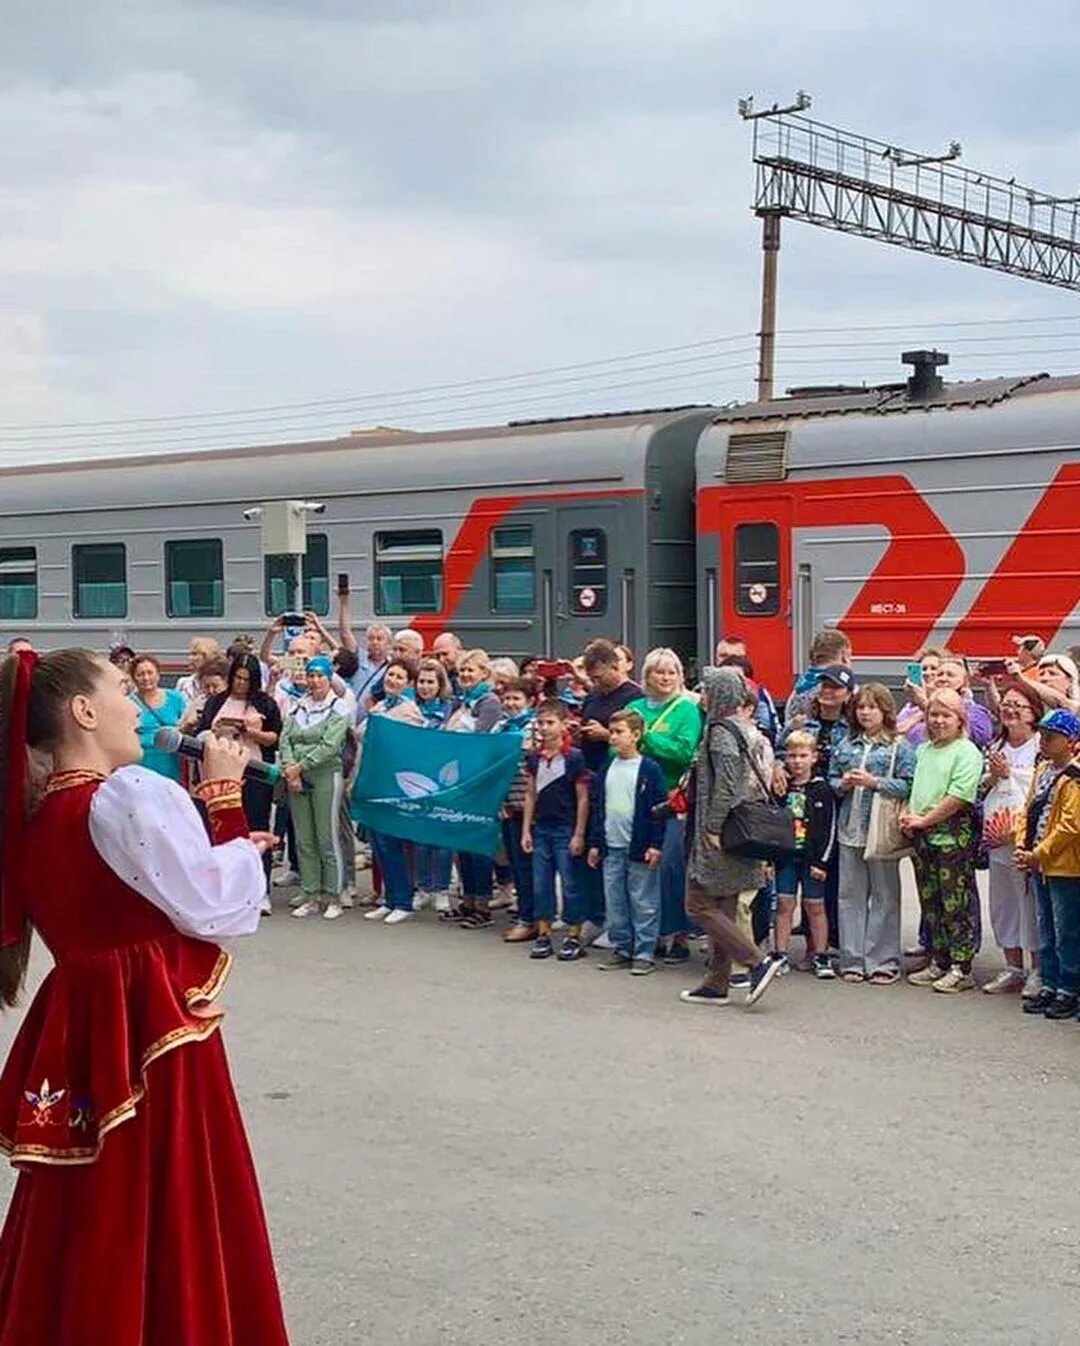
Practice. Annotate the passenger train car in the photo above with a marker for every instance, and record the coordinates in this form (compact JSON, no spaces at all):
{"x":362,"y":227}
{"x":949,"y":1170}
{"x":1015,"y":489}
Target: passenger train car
{"x":911,"y":513}
{"x":525,"y":539}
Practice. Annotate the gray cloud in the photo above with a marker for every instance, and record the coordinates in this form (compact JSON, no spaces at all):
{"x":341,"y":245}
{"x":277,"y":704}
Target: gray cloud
{"x":214,"y":204}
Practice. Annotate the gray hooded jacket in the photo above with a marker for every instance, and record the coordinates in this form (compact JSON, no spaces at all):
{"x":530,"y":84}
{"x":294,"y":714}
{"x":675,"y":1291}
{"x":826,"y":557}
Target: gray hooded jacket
{"x":723,"y":778}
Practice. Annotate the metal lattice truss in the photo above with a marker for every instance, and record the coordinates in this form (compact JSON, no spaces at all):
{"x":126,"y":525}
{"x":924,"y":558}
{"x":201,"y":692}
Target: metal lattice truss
{"x":839,"y":180}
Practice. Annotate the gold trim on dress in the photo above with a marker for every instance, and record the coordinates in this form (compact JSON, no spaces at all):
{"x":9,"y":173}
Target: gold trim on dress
{"x":176,"y":1037}
{"x":70,"y":780}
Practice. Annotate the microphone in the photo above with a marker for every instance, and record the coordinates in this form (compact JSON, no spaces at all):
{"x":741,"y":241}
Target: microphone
{"x":170,"y":739}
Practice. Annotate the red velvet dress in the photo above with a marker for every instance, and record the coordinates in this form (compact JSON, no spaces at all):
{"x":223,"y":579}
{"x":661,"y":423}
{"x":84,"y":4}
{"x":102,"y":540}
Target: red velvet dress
{"x":136,"y":1219}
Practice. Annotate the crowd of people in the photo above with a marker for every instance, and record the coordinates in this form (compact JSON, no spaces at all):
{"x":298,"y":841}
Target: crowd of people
{"x":629,"y":829}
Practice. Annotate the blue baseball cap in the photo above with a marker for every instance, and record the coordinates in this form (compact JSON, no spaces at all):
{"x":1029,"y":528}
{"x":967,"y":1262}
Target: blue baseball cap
{"x":320,"y":664}
{"x":1061,"y":722}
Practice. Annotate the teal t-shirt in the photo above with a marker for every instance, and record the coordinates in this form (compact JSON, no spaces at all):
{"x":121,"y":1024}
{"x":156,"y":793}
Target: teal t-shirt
{"x":171,"y":711}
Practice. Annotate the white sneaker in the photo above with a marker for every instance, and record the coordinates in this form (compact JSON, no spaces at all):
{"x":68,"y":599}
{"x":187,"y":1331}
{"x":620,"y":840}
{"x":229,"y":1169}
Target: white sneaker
{"x":1008,"y":980}
{"x":308,"y":907}
{"x":422,"y":898}
{"x":398,"y":915}
{"x":285,"y":878}
{"x":379,"y":913}
{"x":265,"y":908}
{"x":348,"y":899}
{"x":333,"y":911}
{"x":297,"y":900}
{"x":442,"y":900}
{"x":558,"y":923}
{"x":1032,"y":986}
{"x":603,"y":941}
{"x":955,"y":981}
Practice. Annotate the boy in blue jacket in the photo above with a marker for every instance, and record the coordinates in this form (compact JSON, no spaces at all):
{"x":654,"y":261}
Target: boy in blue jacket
{"x":625,"y":835}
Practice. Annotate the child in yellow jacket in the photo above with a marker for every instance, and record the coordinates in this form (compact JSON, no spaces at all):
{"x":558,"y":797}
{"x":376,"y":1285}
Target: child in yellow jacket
{"x":1048,"y":848}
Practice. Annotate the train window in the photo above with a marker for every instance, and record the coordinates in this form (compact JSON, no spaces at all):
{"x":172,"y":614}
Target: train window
{"x":99,"y":580}
{"x":18,"y":583}
{"x":194,"y":578}
{"x":408,"y":571}
{"x":314,"y":579}
{"x":757,"y":570}
{"x":588,"y":572}
{"x":513,"y":569}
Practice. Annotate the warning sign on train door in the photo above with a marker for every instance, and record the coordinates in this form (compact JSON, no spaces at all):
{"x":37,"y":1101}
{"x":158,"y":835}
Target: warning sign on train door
{"x":587,"y":598}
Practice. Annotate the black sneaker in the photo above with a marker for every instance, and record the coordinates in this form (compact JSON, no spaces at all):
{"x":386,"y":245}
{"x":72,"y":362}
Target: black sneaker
{"x":678,"y":953}
{"x":479,"y":919}
{"x":703,"y":995}
{"x":1039,"y":1004}
{"x":572,"y":949}
{"x":541,"y":947}
{"x":615,"y":962}
{"x":1064,"y":1006}
{"x":761,"y":978}
{"x":823,"y":968}
{"x":739,"y":981}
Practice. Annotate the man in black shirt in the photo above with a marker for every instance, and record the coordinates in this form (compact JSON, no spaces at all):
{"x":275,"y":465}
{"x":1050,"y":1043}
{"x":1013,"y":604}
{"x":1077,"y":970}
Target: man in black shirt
{"x":612,"y":690}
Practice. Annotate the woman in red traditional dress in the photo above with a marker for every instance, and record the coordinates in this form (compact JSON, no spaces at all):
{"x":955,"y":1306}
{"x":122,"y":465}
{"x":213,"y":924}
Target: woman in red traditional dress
{"x":136,"y":1219}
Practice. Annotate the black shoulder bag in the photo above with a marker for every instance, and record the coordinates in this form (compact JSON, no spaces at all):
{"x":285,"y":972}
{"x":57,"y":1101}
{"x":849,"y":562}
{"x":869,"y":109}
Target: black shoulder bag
{"x":758,"y":829}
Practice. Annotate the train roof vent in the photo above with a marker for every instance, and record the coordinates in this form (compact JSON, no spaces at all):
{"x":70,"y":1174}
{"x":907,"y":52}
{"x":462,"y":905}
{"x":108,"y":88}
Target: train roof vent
{"x":752,"y":458}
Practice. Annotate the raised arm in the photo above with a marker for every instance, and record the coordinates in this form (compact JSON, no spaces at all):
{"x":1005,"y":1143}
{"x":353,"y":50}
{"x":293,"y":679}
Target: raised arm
{"x":345,"y":631}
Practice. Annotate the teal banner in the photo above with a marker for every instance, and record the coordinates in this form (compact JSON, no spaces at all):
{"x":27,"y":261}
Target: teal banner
{"x":434,"y":787}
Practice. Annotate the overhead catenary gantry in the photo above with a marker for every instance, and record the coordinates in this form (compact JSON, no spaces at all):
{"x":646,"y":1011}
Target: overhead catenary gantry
{"x":836,"y":179}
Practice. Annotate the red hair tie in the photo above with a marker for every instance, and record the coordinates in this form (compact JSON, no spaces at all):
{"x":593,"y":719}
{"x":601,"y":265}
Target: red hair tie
{"x":12,"y":907}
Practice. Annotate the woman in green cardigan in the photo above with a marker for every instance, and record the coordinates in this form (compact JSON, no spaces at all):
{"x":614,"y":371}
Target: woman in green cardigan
{"x":672,"y":732}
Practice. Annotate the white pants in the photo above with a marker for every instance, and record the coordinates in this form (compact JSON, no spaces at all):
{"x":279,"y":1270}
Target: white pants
{"x":1012,"y":903}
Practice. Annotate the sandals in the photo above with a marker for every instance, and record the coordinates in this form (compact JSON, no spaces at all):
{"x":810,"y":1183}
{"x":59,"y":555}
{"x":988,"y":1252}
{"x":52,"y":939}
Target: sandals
{"x":884,"y":976}
{"x":852,"y":976}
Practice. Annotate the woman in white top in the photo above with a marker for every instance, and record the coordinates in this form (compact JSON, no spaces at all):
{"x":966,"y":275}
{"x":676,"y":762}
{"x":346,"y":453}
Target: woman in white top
{"x":1010,"y":765}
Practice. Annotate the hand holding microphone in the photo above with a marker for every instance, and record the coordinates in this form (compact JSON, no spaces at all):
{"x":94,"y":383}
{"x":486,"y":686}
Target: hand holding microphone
{"x":221,"y":757}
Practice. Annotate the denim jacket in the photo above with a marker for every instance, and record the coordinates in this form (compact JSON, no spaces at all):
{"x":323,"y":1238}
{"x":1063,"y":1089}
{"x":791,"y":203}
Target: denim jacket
{"x":848,"y":756}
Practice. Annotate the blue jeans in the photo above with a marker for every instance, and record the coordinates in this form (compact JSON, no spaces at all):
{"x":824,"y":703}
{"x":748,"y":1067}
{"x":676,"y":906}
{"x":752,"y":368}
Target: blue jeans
{"x":394,"y":863}
{"x":432,"y":868}
{"x":521,"y":867}
{"x":673,"y":918}
{"x":632,"y":897}
{"x":590,"y":887}
{"x":551,"y":856}
{"x":476,"y":873}
{"x":1057,"y":901}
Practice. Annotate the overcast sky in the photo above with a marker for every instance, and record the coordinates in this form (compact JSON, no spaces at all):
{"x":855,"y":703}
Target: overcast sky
{"x":217,"y":205}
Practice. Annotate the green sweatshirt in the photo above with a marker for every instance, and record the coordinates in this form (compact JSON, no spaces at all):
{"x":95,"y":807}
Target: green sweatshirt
{"x":314,"y":747}
{"x":674,"y":739}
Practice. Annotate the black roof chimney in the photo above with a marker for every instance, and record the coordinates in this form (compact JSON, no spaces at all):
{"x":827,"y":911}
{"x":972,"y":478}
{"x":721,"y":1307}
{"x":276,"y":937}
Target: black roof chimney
{"x":925,"y":382}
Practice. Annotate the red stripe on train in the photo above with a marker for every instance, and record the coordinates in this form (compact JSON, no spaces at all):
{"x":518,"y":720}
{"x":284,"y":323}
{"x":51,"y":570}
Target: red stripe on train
{"x":470,"y":546}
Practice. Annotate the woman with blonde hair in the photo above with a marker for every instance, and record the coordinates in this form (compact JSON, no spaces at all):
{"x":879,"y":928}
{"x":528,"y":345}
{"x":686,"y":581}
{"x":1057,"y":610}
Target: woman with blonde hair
{"x":940,"y":818}
{"x":673,"y":724}
{"x":203,"y":650}
{"x":873,"y":760}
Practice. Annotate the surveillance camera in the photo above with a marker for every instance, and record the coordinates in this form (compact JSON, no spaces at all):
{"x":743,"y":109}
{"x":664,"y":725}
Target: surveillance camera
{"x":312,"y":507}
{"x":253,"y":514}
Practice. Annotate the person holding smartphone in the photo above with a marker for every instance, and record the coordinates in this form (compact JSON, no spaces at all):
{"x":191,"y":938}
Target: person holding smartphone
{"x":245,"y":714}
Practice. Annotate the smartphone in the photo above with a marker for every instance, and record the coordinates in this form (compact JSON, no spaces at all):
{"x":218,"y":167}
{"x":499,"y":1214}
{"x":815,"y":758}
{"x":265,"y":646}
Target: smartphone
{"x":993,"y":668}
{"x":914,"y":674}
{"x":343,"y":584}
{"x":292,"y":619}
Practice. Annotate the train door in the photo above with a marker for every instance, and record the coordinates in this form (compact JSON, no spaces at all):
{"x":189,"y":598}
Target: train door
{"x":580,"y":592}
{"x":753,"y":584}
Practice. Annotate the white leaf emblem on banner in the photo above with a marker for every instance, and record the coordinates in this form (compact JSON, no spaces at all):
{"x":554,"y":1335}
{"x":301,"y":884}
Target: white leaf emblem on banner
{"x":450,"y":774}
{"x":415,"y":785}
